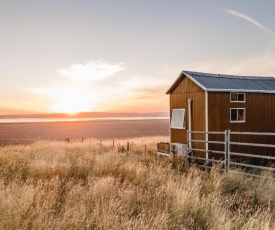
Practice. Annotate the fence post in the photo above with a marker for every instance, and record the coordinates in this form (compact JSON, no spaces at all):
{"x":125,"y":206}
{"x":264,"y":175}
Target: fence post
{"x":226,"y":150}
{"x":113,"y":144}
{"x":213,"y":162}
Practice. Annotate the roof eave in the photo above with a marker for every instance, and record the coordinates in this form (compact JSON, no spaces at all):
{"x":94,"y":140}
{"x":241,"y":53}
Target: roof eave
{"x":195,"y":81}
{"x":182,"y":74}
{"x":240,"y":90}
{"x":175,"y":83}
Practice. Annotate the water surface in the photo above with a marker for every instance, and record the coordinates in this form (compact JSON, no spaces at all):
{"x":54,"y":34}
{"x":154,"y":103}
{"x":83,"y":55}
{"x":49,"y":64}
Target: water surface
{"x":39,"y":120}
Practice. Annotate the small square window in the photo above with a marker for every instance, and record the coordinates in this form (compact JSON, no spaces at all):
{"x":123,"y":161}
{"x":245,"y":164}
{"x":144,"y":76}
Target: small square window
{"x":240,"y":96}
{"x":178,"y":119}
{"x":237,"y":115}
{"x":234,"y":97}
{"x":234,"y":116}
{"x":237,"y":97}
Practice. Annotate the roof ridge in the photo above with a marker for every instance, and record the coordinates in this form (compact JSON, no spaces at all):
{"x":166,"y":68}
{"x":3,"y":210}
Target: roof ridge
{"x":227,"y":75}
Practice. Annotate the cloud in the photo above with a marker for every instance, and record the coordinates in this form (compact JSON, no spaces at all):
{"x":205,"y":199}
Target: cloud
{"x":247,"y":18}
{"x":91,"y":71}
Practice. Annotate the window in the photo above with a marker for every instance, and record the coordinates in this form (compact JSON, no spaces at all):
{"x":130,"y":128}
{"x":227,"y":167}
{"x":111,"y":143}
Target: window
{"x":178,"y":119}
{"x":237,"y":115}
{"x":237,"y":97}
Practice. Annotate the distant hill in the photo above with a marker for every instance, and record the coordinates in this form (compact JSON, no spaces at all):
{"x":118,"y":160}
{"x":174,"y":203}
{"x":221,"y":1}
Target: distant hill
{"x":87,"y":115}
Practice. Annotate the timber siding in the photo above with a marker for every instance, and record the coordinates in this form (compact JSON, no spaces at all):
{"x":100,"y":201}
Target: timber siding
{"x":259,"y":117}
{"x":259,"y":112}
{"x":179,"y":99}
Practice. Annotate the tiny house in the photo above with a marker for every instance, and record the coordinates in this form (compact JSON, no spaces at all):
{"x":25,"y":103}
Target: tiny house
{"x":215,"y":102}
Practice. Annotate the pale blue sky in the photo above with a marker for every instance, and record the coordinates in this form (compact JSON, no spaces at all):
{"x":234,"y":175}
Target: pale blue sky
{"x":72,"y":55}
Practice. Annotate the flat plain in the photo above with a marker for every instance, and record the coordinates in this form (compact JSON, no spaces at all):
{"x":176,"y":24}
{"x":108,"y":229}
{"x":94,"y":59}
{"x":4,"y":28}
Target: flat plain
{"x":14,"y":133}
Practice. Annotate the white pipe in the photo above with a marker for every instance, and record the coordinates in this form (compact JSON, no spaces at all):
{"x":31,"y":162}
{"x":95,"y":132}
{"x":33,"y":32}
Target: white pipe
{"x":206,"y":123}
{"x":190,"y":121}
{"x":170,"y":135}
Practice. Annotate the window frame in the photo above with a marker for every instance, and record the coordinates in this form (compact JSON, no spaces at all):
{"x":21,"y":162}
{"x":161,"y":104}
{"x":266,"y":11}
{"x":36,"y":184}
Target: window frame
{"x":238,"y":121}
{"x":177,"y":127}
{"x":237,"y":101}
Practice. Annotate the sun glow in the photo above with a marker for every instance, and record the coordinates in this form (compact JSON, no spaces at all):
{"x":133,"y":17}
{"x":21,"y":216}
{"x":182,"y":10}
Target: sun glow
{"x":72,"y":102}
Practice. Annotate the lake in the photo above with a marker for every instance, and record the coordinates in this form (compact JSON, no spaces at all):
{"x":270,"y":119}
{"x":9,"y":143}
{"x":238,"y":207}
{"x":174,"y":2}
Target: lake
{"x":43,"y":120}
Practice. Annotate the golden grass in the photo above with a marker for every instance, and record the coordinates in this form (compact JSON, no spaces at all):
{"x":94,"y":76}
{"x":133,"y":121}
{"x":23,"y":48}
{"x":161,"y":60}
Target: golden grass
{"x":56,"y":185}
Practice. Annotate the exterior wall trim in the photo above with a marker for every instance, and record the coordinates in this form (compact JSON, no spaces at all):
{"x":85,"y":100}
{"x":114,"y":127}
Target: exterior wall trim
{"x":206,"y":123}
{"x":181,"y":76}
{"x":195,"y":81}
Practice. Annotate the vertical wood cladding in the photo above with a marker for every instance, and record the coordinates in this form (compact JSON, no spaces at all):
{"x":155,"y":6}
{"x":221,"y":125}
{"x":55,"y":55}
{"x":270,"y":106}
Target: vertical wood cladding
{"x":185,"y":90}
{"x":259,"y":112}
{"x":259,"y":117}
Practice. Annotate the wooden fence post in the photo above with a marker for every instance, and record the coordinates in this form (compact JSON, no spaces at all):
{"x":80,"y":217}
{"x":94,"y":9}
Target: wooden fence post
{"x":213,"y":162}
{"x":113,"y":144}
{"x":128,"y":146}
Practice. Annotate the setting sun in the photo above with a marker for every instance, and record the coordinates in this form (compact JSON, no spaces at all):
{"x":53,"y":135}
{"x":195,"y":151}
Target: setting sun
{"x":72,"y":102}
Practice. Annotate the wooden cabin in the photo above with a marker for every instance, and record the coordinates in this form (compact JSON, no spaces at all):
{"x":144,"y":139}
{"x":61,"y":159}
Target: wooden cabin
{"x":215,"y":102}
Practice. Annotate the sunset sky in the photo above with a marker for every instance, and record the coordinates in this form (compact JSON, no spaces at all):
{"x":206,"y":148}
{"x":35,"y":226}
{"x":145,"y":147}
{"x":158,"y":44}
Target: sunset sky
{"x":122,"y":56}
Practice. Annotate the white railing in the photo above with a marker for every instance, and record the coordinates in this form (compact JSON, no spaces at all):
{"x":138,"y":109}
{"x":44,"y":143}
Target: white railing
{"x":224,"y":157}
{"x":216,"y":154}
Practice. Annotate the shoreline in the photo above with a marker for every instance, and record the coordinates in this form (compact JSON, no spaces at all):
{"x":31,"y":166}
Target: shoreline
{"x":81,"y":121}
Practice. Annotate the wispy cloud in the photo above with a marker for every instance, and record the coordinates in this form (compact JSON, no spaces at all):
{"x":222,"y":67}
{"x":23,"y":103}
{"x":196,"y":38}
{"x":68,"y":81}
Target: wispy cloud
{"x":93,"y":70}
{"x":247,"y":18}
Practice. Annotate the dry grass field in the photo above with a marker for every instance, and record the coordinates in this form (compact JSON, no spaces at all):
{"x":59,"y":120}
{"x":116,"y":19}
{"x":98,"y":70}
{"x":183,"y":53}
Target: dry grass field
{"x":57,"y":185}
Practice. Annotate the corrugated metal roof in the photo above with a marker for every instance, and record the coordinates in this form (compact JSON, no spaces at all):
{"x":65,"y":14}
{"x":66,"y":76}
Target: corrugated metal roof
{"x":219,"y":82}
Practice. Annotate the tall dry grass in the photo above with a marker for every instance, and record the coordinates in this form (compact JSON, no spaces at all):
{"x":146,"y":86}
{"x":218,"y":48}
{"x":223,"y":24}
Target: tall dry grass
{"x":55,"y":185}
